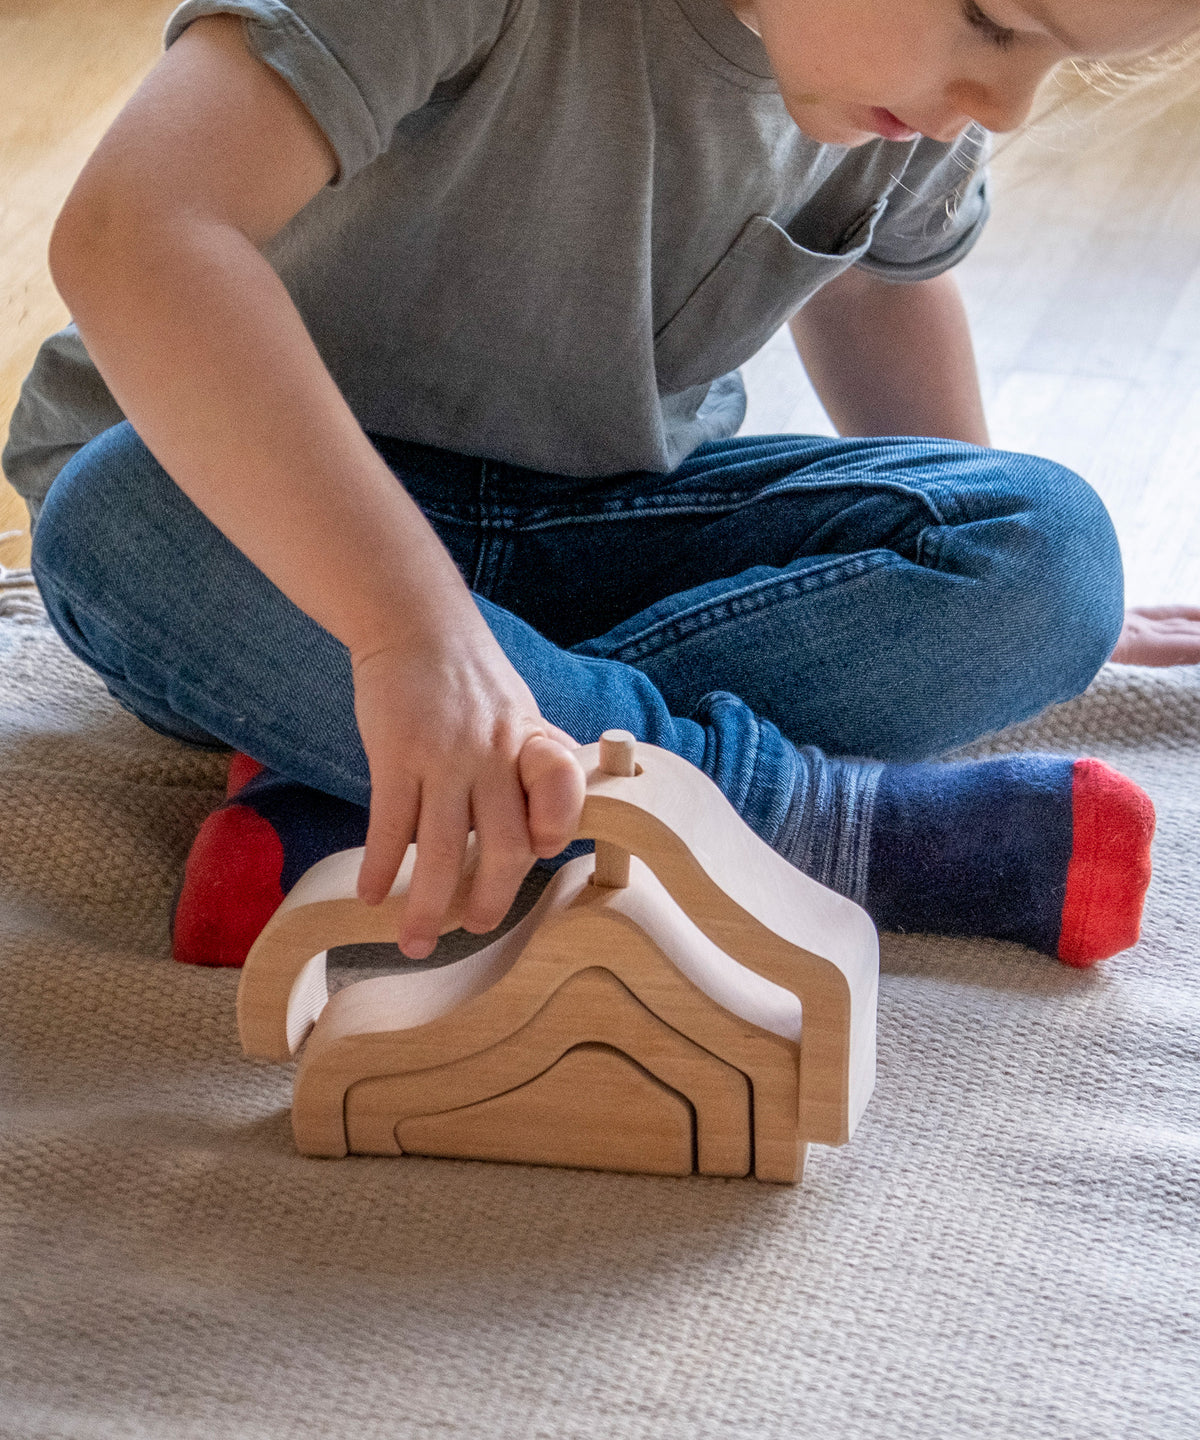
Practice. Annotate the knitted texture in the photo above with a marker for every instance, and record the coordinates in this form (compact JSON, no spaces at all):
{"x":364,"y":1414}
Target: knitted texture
{"x":1006,"y":1247}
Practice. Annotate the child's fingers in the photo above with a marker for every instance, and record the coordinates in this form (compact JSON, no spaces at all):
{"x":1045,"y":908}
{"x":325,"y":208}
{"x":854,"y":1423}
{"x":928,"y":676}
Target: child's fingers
{"x":1159,"y":635}
{"x":505,"y":853}
{"x":555,"y":787}
{"x":441,"y":850}
{"x":390,"y":829}
{"x":1166,"y":612}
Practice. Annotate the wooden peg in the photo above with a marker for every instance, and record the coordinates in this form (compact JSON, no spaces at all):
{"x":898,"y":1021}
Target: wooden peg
{"x":617,"y":757}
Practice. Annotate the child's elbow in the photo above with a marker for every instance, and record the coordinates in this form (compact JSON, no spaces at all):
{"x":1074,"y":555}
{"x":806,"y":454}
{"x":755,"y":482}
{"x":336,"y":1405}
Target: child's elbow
{"x":77,"y":240}
{"x":64,"y":257}
{"x":97,"y":225}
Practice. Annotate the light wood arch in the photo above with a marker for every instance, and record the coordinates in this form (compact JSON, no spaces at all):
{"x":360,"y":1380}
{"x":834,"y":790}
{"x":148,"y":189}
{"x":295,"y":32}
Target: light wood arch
{"x":712,"y":934}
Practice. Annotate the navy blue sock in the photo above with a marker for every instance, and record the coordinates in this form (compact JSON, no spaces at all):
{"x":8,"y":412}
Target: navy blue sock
{"x":979,"y":848}
{"x":247,"y":856}
{"x":1048,"y":851}
{"x":1044,"y":850}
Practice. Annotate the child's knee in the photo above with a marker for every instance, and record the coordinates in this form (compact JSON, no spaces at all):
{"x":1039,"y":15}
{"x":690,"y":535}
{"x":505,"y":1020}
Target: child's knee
{"x":1086,"y":540}
{"x":1072,"y":574}
{"x":94,"y":508}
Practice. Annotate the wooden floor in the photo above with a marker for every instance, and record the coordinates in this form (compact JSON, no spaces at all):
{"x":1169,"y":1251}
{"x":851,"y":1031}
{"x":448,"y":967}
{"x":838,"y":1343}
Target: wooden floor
{"x":1084,"y":292}
{"x":66,"y":68}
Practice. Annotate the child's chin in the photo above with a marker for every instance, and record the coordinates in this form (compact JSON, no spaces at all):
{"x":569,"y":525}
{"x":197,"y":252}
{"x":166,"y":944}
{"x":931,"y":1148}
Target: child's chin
{"x":828,"y":129}
{"x":837,"y":134}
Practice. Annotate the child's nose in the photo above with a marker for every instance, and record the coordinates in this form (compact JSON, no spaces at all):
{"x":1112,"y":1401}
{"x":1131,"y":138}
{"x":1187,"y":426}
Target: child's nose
{"x":996,"y":107}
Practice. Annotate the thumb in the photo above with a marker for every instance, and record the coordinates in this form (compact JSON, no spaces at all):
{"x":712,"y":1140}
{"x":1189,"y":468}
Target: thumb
{"x":555,"y":787}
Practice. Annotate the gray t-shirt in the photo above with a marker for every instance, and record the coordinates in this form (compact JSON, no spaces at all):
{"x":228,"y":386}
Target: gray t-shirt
{"x":557,"y":229}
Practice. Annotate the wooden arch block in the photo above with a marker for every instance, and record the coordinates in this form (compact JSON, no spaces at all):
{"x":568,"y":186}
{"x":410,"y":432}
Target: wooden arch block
{"x":592,"y":1008}
{"x":709,"y":982}
{"x":594,"y":1107}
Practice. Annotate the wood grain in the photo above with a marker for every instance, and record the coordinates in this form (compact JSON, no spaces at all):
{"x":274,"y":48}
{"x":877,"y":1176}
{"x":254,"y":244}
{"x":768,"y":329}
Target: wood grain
{"x":595,"y":1108}
{"x":393,"y":1025}
{"x":593,"y":1008}
{"x":718,"y":968}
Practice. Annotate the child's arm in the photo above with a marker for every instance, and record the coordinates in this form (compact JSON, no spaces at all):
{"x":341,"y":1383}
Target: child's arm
{"x":890,"y":359}
{"x":156,"y":254}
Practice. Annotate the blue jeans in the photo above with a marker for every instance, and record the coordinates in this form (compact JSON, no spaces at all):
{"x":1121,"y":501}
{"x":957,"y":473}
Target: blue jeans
{"x":884,"y":598}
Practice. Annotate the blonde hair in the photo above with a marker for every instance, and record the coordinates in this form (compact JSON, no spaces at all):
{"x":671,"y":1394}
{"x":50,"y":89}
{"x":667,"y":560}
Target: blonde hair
{"x":1090,"y":102}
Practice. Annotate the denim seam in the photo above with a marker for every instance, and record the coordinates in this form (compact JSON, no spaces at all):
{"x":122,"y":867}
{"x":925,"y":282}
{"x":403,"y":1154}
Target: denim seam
{"x":928,"y":553}
{"x":900,"y":487}
{"x":508,"y":519}
{"x":693,"y":503}
{"x":697,"y":506}
{"x":640,"y":513}
{"x":494,"y":528}
{"x":745,"y":601}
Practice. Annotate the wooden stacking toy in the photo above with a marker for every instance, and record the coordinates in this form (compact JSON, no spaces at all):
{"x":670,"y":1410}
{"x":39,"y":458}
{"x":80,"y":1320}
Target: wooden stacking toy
{"x":684,"y":1001}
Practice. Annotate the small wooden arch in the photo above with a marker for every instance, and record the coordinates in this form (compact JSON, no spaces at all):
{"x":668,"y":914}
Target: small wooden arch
{"x":710,"y":1004}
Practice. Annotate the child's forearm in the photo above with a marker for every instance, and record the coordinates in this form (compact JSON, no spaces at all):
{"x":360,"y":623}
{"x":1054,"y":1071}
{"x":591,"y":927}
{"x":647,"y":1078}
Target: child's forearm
{"x":892,"y":359}
{"x":157,"y":255}
{"x":206,"y":354}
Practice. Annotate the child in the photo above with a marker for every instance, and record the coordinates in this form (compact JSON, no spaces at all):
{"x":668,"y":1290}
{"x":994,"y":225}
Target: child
{"x":425,"y":319}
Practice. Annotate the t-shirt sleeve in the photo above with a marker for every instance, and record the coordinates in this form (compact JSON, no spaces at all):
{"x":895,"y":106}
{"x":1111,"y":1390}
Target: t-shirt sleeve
{"x":935,"y":211}
{"x":359,"y":68}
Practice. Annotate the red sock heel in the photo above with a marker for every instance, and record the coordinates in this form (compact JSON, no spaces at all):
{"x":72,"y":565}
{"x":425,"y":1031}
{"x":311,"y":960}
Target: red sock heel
{"x":231,"y":882}
{"x":247,"y":856}
{"x":230,"y":889}
{"x":242,"y":769}
{"x":1109,"y":870}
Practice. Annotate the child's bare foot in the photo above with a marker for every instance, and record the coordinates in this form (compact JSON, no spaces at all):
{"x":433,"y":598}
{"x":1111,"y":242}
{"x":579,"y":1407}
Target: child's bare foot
{"x":1159,"y":635}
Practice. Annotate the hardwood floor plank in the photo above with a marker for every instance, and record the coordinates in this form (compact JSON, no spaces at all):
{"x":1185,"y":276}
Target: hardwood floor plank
{"x":66,"y":68}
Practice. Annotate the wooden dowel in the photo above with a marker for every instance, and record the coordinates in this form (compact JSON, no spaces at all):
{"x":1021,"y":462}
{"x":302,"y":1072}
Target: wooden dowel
{"x":617,"y":753}
{"x":616,"y":758}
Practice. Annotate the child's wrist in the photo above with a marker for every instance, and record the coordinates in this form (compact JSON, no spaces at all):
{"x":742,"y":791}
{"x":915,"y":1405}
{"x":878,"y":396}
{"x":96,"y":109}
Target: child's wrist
{"x":429,"y":627}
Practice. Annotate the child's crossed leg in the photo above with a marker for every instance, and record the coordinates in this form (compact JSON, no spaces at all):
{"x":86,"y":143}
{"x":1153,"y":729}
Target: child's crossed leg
{"x":773,"y":604}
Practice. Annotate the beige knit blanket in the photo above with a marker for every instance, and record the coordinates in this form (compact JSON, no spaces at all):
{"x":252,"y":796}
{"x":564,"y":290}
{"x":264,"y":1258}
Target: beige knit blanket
{"x":1009,"y":1247}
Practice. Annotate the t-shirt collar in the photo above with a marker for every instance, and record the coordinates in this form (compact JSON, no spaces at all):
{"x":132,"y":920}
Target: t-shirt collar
{"x":716,"y":23}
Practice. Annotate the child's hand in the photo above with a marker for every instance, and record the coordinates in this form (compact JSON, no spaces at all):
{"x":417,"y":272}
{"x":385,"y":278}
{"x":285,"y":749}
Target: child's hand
{"x":455,"y":742}
{"x":1159,"y":635}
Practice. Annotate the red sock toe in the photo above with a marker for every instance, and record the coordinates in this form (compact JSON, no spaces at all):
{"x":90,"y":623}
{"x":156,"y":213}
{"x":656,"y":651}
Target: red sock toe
{"x":1109,"y":871}
{"x":231,"y":887}
{"x":242,"y":769}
